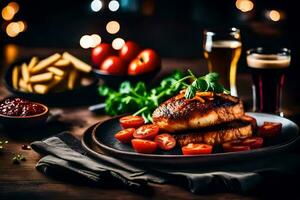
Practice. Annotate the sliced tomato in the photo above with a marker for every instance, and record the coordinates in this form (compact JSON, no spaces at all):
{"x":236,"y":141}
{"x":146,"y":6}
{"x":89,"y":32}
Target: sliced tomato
{"x":131,"y":121}
{"x":196,"y":149}
{"x":269,"y":129}
{"x":143,"y":146}
{"x":148,"y":131}
{"x":165,"y":141}
{"x":126,"y":135}
{"x":234,"y":146}
{"x":253,"y":142}
{"x":251,"y":120}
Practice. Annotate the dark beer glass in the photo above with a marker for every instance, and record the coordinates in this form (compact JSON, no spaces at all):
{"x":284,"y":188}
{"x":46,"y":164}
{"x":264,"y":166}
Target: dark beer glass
{"x":268,"y":68}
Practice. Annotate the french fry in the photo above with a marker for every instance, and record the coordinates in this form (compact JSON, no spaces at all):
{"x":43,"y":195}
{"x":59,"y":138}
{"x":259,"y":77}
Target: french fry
{"x":29,"y":87}
{"x":40,"y":88}
{"x":72,"y":79}
{"x":25,"y":72}
{"x":40,"y":78}
{"x":78,"y":64}
{"x":15,"y":77}
{"x":45,"y":63}
{"x":23,"y":85}
{"x":34,"y":60}
{"x":45,"y":88}
{"x":62,"y":63}
{"x":56,"y":71}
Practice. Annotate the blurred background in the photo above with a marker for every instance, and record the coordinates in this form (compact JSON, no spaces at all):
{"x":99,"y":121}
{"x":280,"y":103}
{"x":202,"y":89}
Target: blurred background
{"x":173,"y":28}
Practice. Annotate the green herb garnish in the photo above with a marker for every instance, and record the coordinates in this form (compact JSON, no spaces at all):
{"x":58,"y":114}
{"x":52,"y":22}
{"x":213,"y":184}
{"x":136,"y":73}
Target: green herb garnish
{"x":18,"y":158}
{"x":137,"y":98}
{"x":3,"y":143}
{"x":209,"y":82}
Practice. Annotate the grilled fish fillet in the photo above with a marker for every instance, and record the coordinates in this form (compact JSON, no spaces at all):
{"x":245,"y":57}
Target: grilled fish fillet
{"x":217,"y":134}
{"x":176,"y":115}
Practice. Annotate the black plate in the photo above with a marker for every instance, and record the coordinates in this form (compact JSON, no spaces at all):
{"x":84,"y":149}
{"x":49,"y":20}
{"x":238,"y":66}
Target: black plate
{"x":79,"y":96}
{"x":103,"y":136}
{"x":115,"y":80}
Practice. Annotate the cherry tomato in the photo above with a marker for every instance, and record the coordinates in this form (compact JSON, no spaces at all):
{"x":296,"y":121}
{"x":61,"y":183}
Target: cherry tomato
{"x":251,"y":120}
{"x":195,"y":149}
{"x":235,"y":145}
{"x":148,"y":131}
{"x":129,"y":51}
{"x":143,"y":146}
{"x":101,"y":52}
{"x":113,"y":65}
{"x":147,"y":60}
{"x":125,"y":135}
{"x":253,"y":142}
{"x":165,"y":141}
{"x":131,"y":121}
{"x":269,"y":129}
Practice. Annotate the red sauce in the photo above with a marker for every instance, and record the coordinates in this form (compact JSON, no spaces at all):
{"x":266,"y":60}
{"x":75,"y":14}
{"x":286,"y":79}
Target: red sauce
{"x":20,"y":107}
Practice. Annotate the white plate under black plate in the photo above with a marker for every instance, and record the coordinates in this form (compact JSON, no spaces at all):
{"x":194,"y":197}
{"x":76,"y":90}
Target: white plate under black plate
{"x":103,"y":136}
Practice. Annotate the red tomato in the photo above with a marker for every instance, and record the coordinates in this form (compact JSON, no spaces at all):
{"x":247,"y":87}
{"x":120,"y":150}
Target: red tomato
{"x":251,"y":120}
{"x":125,"y":135}
{"x":253,"y":142}
{"x":101,"y":52}
{"x":113,"y":65}
{"x":148,"y":60}
{"x":148,"y":131}
{"x":234,"y":146}
{"x":165,"y":141}
{"x":129,"y":51}
{"x":195,"y":149}
{"x":269,"y":129}
{"x":131,"y":121}
{"x":143,"y":146}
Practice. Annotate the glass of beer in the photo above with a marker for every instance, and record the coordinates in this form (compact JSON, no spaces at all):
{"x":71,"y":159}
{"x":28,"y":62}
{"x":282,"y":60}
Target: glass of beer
{"x":268,"y":68}
{"x":222,"y":50}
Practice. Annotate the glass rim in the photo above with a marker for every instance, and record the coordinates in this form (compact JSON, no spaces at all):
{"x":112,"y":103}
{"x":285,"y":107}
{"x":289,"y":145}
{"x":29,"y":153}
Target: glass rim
{"x":214,"y":31}
{"x":269,"y":51}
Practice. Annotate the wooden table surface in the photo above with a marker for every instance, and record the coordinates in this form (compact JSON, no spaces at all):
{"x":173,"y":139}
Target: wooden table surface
{"x":25,"y":182}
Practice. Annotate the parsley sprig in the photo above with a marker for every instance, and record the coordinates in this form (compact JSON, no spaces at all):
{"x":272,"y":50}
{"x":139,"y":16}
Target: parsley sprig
{"x":209,"y":82}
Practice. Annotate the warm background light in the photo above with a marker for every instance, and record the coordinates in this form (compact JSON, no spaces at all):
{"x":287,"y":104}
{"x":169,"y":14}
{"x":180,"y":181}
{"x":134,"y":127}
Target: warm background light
{"x":90,"y":41}
{"x":113,"y":5}
{"x":244,"y":5}
{"x":96,"y":40}
{"x":274,"y":15}
{"x":96,"y":5}
{"x":118,"y":43}
{"x":113,"y":27}
{"x":13,"y":29}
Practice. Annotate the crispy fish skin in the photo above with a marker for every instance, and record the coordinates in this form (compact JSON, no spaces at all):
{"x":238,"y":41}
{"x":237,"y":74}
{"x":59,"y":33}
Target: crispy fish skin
{"x":217,"y":135}
{"x":175,"y":115}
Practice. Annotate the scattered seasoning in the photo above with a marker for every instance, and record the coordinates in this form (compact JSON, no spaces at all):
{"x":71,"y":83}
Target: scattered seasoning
{"x":26,"y":147}
{"x":18,"y":158}
{"x":3,"y":143}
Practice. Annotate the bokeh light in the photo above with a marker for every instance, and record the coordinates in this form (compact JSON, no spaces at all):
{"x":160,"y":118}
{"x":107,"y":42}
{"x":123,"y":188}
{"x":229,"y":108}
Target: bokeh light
{"x":113,"y":5}
{"x":22,"y":26}
{"x":9,"y":11}
{"x":85,"y":41}
{"x":96,"y":40}
{"x":274,"y":15}
{"x":13,"y":29}
{"x":96,"y":5}
{"x":15,"y":6}
{"x":244,"y":5}
{"x":118,"y":43}
{"x":113,"y":27}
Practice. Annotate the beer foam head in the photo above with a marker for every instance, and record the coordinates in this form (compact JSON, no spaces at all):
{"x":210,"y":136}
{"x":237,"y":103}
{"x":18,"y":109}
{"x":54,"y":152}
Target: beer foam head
{"x":266,"y":61}
{"x":232,"y":44}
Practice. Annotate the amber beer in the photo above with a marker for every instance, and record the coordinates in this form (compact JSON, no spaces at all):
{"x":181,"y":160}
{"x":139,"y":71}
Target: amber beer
{"x":268,"y":75}
{"x":222,"y":57}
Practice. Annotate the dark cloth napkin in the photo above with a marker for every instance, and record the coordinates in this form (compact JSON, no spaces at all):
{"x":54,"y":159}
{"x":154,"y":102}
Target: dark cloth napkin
{"x":63,"y":156}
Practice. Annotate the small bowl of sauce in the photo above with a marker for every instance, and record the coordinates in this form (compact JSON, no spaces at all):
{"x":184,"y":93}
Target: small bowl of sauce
{"x":18,"y":112}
